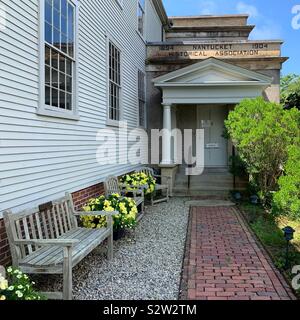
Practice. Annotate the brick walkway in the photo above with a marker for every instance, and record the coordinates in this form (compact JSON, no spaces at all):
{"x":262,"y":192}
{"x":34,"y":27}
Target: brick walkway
{"x":224,"y":261}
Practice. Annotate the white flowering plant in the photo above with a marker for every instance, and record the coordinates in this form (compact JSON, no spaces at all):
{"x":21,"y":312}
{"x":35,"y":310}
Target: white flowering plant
{"x":125,"y":206}
{"x":17,"y":286}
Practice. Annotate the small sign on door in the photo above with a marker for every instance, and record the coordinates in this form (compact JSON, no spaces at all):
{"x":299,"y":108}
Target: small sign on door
{"x":212,"y":146}
{"x":206,"y":123}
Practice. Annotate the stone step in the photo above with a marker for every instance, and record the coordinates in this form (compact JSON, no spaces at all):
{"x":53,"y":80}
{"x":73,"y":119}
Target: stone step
{"x":201,"y":193}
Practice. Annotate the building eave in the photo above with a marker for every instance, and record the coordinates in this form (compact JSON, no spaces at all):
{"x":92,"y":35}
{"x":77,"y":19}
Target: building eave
{"x":161,"y":11}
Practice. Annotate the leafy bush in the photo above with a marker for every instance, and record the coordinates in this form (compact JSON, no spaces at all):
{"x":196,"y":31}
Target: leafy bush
{"x":290,"y":91}
{"x":17,"y":286}
{"x":287,"y":199}
{"x":125,"y":206}
{"x":262,"y":132}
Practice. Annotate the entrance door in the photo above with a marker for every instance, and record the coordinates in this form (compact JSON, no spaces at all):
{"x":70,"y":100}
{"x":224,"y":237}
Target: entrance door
{"x":211,"y":119}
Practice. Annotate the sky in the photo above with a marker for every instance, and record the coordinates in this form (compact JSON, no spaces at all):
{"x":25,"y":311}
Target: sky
{"x":274,"y":19}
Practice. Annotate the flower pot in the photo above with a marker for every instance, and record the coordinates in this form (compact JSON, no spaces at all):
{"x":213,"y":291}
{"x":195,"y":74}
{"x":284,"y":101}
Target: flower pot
{"x":119,"y":234}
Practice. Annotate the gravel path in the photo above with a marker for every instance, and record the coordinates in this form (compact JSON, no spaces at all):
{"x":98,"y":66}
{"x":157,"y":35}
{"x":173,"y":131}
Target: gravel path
{"x":147,"y":263}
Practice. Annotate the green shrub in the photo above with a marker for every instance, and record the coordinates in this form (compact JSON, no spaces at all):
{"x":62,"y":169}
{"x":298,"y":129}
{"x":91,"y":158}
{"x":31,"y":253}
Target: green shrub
{"x":287,"y":199}
{"x":262,"y":131}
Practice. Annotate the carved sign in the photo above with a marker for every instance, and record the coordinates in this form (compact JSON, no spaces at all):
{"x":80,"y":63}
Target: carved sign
{"x":217,"y":50}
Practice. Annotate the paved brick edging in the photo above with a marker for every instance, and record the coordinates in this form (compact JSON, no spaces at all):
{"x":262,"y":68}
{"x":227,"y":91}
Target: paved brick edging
{"x":186,"y":269}
{"x":207,"y":276}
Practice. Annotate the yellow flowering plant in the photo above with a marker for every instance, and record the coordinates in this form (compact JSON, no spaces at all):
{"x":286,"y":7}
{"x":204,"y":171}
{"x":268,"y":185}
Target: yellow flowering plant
{"x":125,"y":206}
{"x":17,"y":286}
{"x":139,"y":180}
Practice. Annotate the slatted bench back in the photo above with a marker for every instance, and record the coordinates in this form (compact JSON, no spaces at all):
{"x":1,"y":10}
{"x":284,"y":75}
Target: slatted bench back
{"x":148,"y":171}
{"x":111,"y":185}
{"x":49,"y":221}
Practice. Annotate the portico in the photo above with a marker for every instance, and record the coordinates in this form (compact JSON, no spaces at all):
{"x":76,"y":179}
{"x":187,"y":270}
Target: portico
{"x":206,"y":90}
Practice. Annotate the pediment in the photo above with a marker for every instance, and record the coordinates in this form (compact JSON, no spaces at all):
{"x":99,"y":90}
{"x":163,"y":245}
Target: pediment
{"x":212,"y":71}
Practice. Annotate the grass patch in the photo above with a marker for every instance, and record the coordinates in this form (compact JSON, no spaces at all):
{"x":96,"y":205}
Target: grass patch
{"x":269,"y":230}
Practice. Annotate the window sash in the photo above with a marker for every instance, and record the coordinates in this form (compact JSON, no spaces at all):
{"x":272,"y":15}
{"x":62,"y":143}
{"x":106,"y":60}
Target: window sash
{"x":59,"y":63}
{"x":114,"y":82}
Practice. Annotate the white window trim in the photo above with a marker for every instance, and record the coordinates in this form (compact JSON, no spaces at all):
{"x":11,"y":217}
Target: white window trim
{"x":43,"y":109}
{"x":110,"y":122}
{"x":138,"y":101}
{"x":143,"y":36}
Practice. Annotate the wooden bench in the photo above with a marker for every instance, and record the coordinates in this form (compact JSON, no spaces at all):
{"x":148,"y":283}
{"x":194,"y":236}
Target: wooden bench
{"x":47,"y":240}
{"x":158,"y":187}
{"x":112,"y":185}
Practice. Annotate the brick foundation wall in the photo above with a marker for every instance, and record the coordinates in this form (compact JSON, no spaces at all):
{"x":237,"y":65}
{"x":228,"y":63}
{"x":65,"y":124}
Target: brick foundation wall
{"x":80,"y":198}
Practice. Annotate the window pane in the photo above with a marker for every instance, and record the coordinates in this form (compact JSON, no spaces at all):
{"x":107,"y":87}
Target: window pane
{"x":48,"y":33}
{"x":69,"y":102}
{"x":62,"y":63}
{"x":47,"y":76}
{"x":64,"y":43}
{"x":57,"y":4}
{"x":69,"y":84}
{"x":62,"y":81}
{"x":47,"y":55}
{"x":56,"y":19}
{"x":63,"y":26}
{"x":48,"y":12}
{"x":70,"y":22}
{"x":64,"y":6}
{"x":56,"y":38}
{"x":54,"y":97}
{"x":54,"y":78}
{"x":54,"y":59}
{"x":62,"y":100}
{"x":69,"y":67}
{"x":48,"y":96}
{"x":71,"y":49}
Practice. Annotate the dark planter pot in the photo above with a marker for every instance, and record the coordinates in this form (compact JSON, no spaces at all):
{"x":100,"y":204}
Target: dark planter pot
{"x":119,"y":234}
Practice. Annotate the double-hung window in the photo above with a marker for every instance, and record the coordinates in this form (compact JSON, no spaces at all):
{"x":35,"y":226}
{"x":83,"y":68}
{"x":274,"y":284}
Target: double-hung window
{"x":142,"y":98}
{"x":59,"y":57}
{"x":114,"y":82}
{"x":141,"y":16}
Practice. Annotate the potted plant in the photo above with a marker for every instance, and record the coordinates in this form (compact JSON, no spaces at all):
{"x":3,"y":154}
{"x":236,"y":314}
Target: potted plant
{"x":138,"y":180}
{"x":126,"y":219}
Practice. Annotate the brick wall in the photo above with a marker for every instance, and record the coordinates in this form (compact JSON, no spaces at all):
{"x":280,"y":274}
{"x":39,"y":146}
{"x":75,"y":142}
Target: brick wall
{"x":80,"y":198}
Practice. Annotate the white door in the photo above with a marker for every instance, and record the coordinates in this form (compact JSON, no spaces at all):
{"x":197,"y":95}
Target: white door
{"x":211,"y":119}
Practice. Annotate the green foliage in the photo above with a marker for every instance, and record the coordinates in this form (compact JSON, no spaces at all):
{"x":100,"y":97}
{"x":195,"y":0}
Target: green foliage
{"x":287,"y":199}
{"x":290,"y":91}
{"x":17,"y":286}
{"x":262,"y":132}
{"x":237,"y":166}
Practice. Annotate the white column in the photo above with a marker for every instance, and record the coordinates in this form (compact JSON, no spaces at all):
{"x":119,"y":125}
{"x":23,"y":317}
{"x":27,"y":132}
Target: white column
{"x":166,"y":137}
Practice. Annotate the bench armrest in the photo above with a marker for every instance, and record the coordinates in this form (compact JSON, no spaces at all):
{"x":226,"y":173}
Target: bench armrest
{"x":47,"y":242}
{"x":95,"y":213}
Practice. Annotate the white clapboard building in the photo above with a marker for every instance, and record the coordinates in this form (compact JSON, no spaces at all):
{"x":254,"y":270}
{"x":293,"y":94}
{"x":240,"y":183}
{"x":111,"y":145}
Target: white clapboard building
{"x":69,"y":68}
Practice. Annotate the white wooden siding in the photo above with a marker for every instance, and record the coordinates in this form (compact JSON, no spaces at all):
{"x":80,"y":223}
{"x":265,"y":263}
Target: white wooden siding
{"x":153,"y":23}
{"x":42,"y":157}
